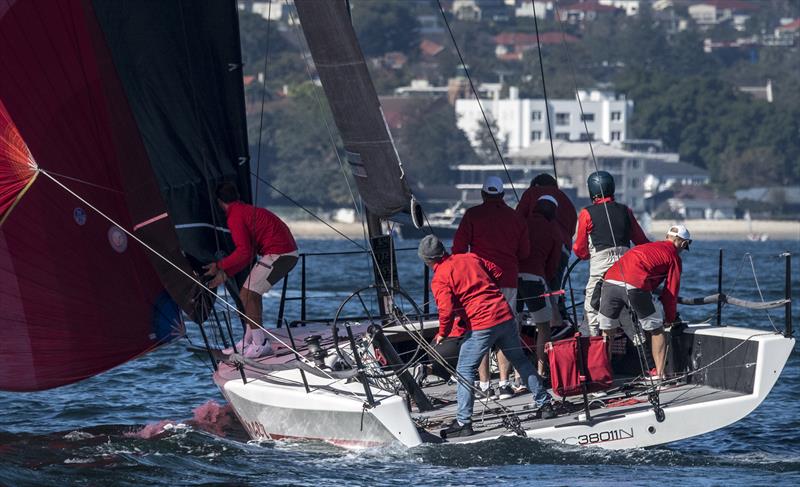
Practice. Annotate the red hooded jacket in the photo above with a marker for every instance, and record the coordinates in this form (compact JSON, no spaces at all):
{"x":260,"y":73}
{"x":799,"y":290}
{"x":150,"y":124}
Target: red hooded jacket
{"x":546,"y":239}
{"x":566,"y":215}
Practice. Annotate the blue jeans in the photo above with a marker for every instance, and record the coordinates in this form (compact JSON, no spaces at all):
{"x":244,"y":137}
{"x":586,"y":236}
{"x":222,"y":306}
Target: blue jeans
{"x":477,"y":344}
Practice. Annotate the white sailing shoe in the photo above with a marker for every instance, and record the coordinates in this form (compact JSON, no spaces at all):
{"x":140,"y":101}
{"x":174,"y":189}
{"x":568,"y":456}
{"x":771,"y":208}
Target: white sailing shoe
{"x":255,"y":351}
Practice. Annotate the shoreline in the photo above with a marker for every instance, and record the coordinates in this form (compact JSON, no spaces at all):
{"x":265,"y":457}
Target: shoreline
{"x":700,"y":229}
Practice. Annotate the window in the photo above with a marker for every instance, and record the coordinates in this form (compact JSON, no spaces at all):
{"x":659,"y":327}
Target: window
{"x":616,"y":116}
{"x":562,"y":118}
{"x":562,"y":135}
{"x":587,"y":117}
{"x":536,"y":116}
{"x":616,"y":135}
{"x":585,"y":136}
{"x":536,"y":135}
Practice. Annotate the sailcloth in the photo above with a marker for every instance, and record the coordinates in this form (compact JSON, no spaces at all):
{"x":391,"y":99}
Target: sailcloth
{"x":354,"y":103}
{"x":101,"y":96}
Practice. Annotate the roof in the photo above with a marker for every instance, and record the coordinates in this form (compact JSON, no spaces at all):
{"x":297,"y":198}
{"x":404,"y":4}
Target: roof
{"x":663,"y":168}
{"x":588,"y":6}
{"x":794,"y":25}
{"x":731,"y":4}
{"x":580,"y":150}
{"x":704,"y":194}
{"x":247,"y":80}
{"x":430,"y":48}
{"x":525,"y":39}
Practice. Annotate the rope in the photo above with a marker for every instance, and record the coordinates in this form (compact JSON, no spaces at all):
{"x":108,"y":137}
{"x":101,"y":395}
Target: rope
{"x":477,"y":98}
{"x":176,"y":267}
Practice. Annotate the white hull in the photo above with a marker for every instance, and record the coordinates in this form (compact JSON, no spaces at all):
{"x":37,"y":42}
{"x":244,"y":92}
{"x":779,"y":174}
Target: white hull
{"x":335,"y":413}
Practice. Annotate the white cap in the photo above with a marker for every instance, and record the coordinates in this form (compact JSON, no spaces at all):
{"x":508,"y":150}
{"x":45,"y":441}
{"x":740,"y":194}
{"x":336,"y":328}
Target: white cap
{"x":679,"y":231}
{"x":549,"y":198}
{"x":493,"y":185}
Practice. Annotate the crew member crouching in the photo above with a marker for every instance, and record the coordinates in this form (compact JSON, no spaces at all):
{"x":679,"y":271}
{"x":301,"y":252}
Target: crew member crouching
{"x":630,"y":282}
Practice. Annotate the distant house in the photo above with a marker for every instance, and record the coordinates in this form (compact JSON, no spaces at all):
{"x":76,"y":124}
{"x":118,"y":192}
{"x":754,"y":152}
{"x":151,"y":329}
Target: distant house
{"x":695,"y":202}
{"x":588,"y":11}
{"x":430,"y":49}
{"x":467,"y":10}
{"x":399,"y":110}
{"x":664,"y":174}
{"x":526,"y":8}
{"x":394,"y":60}
{"x":710,"y":13}
{"x":631,"y":7}
{"x":759,"y":92}
{"x":514,"y":45}
{"x":783,"y":199}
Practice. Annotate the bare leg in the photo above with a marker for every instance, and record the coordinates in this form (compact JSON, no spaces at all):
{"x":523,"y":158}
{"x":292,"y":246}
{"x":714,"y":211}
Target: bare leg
{"x":484,"y":374}
{"x":609,"y":334}
{"x":504,"y":365}
{"x":542,"y":337}
{"x":252,"y":307}
{"x":658,"y":343}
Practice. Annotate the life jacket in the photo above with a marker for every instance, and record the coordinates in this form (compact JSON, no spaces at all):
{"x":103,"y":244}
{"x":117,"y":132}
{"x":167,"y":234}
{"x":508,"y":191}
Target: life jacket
{"x":601,"y":235}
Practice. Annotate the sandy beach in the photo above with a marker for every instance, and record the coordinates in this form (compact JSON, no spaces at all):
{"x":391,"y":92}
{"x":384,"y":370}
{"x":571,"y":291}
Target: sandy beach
{"x":701,"y":229}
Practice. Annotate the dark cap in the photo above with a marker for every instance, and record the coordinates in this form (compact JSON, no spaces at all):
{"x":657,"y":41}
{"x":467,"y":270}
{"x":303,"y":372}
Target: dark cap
{"x":430,"y":249}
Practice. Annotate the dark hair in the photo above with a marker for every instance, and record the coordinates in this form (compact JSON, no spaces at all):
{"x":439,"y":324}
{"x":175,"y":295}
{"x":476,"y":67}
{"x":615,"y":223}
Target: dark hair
{"x":227,"y":192}
{"x":544,"y":179}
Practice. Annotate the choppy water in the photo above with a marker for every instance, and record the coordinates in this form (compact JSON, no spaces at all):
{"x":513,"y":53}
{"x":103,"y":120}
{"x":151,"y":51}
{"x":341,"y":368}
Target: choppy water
{"x":160,"y":420}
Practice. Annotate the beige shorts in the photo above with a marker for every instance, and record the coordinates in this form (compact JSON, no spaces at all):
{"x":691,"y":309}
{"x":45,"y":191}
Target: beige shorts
{"x":268,"y":270}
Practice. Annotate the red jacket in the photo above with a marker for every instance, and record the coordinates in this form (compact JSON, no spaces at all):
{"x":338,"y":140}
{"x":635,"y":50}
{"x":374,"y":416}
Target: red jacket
{"x":498,"y":234}
{"x":581,"y":247}
{"x":255,"y":231}
{"x":648,"y":265}
{"x":546,"y":239}
{"x":566,"y":215}
{"x":466,"y":285}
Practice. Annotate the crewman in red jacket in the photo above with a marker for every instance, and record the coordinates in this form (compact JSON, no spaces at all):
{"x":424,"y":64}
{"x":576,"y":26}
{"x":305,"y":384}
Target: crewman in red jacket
{"x":631,"y":280}
{"x":600,"y":243}
{"x":495,"y":232}
{"x":255,"y":231}
{"x":566,"y":217}
{"x":469,"y":283}
{"x":538,"y":270}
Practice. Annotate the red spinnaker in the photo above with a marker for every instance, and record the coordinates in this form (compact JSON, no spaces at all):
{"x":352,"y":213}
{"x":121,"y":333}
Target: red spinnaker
{"x":77,"y":295}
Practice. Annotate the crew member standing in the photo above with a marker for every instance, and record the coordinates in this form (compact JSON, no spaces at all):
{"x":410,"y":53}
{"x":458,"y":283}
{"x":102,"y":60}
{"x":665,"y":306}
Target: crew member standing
{"x":255,"y":231}
{"x":631,"y":280}
{"x":495,"y":232}
{"x":600,"y":243}
{"x":566,"y":217}
{"x":538,"y":270}
{"x":468,"y":282}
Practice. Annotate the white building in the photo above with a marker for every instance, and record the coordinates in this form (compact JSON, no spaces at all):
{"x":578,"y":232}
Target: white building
{"x":523,"y":122}
{"x":276,"y":10}
{"x":631,"y":7}
{"x":713,"y":12}
{"x":526,"y":8}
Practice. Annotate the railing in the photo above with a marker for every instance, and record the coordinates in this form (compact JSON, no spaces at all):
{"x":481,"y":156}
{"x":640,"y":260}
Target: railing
{"x":304,"y":297}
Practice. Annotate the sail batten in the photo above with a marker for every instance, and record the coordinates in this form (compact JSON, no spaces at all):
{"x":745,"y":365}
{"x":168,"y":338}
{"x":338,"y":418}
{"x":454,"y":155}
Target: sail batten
{"x":354,"y":103}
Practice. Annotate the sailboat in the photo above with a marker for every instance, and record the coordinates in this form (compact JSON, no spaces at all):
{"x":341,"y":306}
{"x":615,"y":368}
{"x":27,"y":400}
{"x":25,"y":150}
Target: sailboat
{"x":111,"y":142}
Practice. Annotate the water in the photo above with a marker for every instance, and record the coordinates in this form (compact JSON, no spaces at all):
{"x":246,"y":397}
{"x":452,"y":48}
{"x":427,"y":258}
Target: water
{"x":159,"y":419}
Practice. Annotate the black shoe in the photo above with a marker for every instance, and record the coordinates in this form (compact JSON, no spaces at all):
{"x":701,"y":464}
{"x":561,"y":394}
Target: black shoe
{"x":505,"y":392}
{"x":487,"y":394}
{"x":456,"y":429}
{"x":420,"y":373}
{"x":545,"y":411}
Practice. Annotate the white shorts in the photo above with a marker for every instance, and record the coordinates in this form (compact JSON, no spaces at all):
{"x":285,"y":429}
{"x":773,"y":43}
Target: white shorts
{"x":268,"y":270}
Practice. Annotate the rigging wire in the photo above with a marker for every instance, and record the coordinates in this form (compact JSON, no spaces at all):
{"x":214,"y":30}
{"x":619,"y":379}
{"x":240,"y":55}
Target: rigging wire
{"x":641,"y":352}
{"x":544,"y":90}
{"x":478,"y":99}
{"x":177,"y":267}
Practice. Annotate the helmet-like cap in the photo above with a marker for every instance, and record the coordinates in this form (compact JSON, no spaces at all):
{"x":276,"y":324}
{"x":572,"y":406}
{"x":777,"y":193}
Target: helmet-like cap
{"x":600,"y":184}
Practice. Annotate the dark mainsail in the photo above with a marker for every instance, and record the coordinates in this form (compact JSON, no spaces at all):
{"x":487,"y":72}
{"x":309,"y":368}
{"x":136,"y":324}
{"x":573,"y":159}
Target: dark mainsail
{"x":343,"y":72}
{"x":137,"y":107}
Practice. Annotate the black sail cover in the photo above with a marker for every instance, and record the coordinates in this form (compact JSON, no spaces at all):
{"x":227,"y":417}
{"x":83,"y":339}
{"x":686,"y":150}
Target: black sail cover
{"x":343,"y":72}
{"x":180,"y":66}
